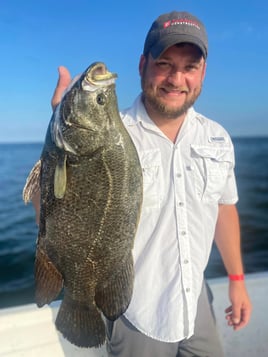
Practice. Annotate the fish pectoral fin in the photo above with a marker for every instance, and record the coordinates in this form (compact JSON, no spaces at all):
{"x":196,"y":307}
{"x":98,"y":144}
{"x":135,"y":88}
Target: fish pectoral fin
{"x":60,"y":177}
{"x":113,"y":298}
{"x":32,"y":185}
{"x":81,"y":323}
{"x":49,"y":281}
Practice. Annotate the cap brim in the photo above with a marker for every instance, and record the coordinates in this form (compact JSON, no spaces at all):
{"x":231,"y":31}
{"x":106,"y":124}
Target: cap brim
{"x":172,"y":39}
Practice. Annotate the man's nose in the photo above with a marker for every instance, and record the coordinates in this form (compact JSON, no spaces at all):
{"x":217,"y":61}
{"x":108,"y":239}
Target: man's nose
{"x":176,"y":77}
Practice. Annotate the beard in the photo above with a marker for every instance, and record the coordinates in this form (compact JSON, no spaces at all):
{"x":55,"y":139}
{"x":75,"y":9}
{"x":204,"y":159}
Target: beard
{"x":151,"y":99}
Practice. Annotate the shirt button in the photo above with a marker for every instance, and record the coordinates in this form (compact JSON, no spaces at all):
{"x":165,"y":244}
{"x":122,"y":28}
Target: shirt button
{"x":181,"y":204}
{"x":187,"y":290}
{"x":186,"y":261}
{"x":183,"y":233}
{"x":178,"y":175}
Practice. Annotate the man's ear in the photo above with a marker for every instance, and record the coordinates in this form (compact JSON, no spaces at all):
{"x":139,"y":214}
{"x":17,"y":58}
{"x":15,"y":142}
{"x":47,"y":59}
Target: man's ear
{"x":141,"y":64}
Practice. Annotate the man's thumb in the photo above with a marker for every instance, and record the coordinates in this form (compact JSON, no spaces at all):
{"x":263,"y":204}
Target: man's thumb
{"x":63,"y":81}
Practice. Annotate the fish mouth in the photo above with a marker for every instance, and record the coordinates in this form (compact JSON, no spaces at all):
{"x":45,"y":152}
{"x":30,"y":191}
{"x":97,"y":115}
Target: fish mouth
{"x":98,"y":76}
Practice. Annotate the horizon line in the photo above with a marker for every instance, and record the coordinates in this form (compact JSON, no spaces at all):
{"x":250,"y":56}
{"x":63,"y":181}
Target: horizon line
{"x":243,"y":136}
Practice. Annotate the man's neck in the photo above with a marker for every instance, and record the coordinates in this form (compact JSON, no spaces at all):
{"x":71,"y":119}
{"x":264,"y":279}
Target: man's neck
{"x":169,"y":126}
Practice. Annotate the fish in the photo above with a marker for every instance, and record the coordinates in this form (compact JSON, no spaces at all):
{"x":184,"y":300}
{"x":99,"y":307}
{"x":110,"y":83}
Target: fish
{"x":90,"y":182}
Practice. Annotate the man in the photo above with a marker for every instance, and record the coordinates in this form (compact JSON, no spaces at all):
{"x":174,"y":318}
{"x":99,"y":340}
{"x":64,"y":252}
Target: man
{"x":189,"y":199}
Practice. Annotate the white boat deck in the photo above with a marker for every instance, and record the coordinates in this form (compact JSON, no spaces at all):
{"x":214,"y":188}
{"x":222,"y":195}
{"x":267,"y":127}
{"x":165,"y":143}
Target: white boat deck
{"x":27,"y":331}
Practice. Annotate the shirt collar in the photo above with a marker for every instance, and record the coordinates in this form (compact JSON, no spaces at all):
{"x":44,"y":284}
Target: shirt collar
{"x":138,"y":114}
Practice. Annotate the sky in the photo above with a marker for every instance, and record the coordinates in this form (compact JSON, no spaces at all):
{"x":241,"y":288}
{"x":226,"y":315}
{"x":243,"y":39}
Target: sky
{"x":39,"y":36}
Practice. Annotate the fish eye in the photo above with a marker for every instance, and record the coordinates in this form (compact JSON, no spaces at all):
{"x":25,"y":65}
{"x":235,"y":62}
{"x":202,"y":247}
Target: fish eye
{"x":101,"y":99}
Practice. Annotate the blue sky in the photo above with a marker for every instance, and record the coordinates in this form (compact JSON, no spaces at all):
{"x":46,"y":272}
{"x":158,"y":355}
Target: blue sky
{"x":38,"y":36}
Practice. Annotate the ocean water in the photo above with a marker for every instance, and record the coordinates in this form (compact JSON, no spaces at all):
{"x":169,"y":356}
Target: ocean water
{"x":18,"y":230}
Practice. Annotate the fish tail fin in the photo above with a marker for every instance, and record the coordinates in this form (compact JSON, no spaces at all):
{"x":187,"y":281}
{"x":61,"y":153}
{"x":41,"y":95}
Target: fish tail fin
{"x":113,"y":298}
{"x":49,"y":281}
{"x":32,"y":184}
{"x":80,"y":323}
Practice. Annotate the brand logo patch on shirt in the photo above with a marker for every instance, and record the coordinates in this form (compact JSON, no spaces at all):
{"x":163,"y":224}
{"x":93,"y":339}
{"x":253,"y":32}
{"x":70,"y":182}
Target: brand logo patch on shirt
{"x":217,"y":139}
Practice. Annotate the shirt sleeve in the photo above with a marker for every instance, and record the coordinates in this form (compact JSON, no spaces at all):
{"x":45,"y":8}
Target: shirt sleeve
{"x":230,"y":194}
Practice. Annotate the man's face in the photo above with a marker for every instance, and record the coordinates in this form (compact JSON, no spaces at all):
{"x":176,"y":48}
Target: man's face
{"x":172,"y":83}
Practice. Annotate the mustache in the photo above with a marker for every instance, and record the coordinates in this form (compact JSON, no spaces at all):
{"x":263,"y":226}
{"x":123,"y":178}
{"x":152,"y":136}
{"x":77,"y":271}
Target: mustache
{"x":184,"y":89}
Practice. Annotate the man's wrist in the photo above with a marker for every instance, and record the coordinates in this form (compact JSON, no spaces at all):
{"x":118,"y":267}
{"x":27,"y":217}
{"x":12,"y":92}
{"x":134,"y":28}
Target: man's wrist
{"x":236,"y":277}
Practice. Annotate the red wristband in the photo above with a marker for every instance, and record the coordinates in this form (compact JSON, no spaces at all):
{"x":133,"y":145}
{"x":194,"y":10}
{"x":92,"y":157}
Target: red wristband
{"x":236,"y":277}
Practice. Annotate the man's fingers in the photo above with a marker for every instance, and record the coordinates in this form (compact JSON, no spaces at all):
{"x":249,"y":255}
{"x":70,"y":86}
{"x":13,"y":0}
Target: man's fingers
{"x":228,"y":309}
{"x":63,"y":82}
{"x":237,"y":319}
{"x":237,"y":313}
{"x":244,"y":319}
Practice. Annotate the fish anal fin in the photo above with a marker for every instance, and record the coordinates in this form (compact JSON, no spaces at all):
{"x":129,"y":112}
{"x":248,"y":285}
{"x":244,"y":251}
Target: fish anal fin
{"x":48,"y":279}
{"x":114,"y":297}
{"x":80,"y":323}
{"x":60,"y":178}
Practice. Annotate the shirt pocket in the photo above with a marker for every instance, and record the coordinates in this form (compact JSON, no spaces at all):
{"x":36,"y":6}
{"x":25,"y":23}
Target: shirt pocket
{"x":211,"y":167}
{"x":151,"y":163}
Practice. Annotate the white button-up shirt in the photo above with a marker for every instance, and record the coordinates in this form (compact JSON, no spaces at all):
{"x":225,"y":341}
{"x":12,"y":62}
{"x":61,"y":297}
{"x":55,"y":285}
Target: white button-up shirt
{"x":183,"y":185}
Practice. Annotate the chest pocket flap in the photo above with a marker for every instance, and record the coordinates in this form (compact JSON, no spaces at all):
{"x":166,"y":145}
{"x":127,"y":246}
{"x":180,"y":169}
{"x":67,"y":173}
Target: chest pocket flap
{"x":212,"y":166}
{"x":214,"y":153}
{"x":151,"y":164}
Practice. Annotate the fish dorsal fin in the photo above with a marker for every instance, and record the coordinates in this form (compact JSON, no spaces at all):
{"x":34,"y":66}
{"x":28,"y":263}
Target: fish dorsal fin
{"x":60,"y":177}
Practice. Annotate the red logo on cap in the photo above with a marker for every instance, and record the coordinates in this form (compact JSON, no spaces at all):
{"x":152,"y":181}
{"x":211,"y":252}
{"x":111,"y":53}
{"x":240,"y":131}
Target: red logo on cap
{"x":181,"y":22}
{"x":167,"y":24}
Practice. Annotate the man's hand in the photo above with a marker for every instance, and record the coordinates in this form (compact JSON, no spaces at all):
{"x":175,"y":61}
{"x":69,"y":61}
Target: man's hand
{"x":238,"y":314}
{"x":63,"y":82}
